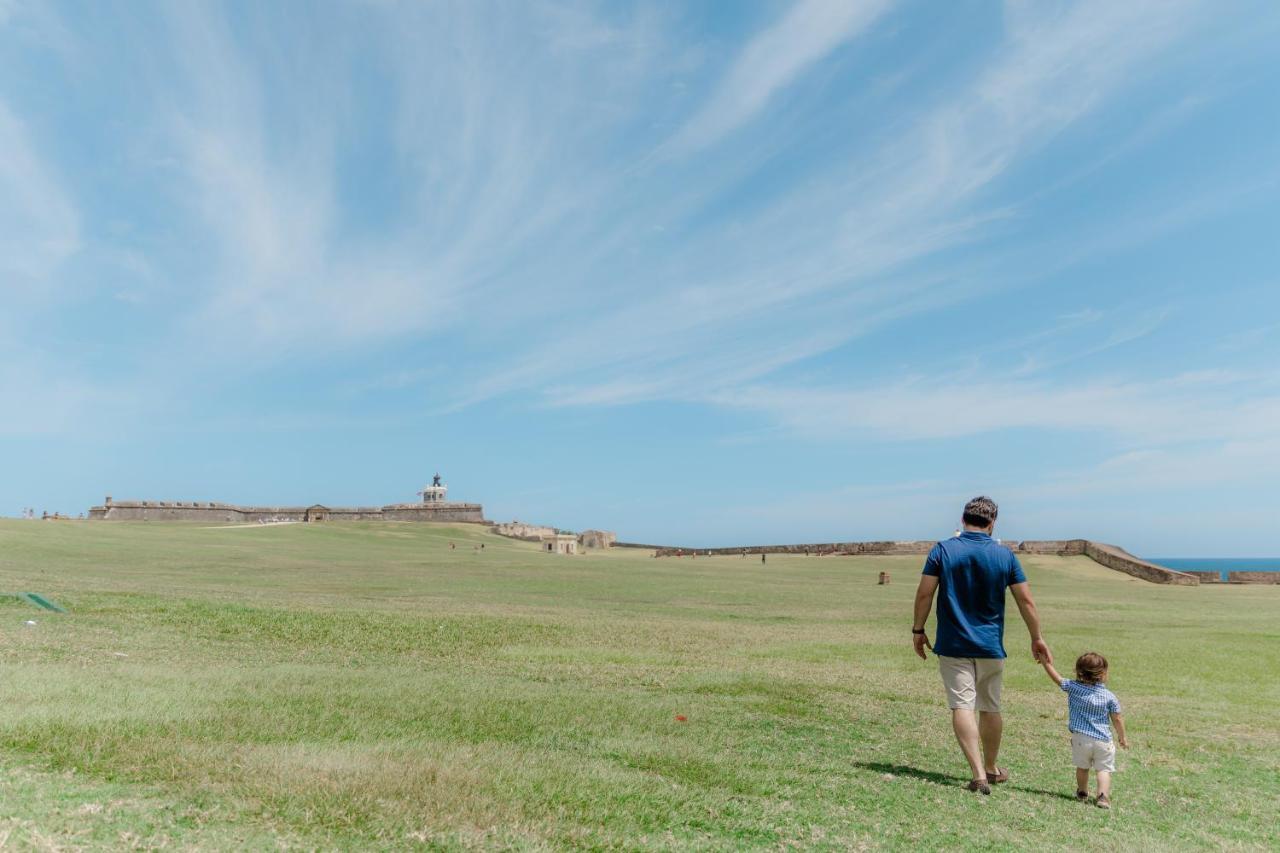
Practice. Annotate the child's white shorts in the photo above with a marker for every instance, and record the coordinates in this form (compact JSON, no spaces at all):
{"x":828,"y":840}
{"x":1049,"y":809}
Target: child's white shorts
{"x":1092,"y":754}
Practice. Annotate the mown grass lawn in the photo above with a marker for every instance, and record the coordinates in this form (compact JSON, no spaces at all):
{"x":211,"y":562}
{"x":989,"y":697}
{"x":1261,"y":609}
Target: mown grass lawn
{"x":366,"y":686}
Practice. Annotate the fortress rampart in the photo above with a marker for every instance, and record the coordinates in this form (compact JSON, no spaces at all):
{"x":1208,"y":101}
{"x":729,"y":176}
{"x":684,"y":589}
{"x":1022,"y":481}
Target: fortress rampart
{"x":1056,"y":547}
{"x":1117,"y":558}
{"x":1110,"y":556}
{"x":600,"y":539}
{"x":1253,"y":577}
{"x":525,"y":531}
{"x":542,"y":534}
{"x":842,"y":548}
{"x":233,"y":514}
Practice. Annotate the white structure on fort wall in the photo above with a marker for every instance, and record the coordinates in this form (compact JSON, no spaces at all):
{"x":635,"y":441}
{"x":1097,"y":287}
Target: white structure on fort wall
{"x":435,"y":493}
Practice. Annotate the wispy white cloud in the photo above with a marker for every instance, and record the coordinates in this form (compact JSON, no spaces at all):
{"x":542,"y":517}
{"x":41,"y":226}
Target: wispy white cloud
{"x":285,"y":275}
{"x":1252,"y":338}
{"x":508,"y":180}
{"x":1220,"y":465}
{"x":45,"y":399}
{"x":1208,"y":498}
{"x":761,"y":288}
{"x":772,"y":60}
{"x":39,"y":221}
{"x":1124,"y":331}
{"x":1185,"y":407}
{"x":493,"y":170}
{"x":1054,"y":68}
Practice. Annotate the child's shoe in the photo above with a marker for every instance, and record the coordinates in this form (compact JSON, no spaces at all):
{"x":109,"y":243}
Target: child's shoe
{"x":1081,"y":796}
{"x":1103,"y":801}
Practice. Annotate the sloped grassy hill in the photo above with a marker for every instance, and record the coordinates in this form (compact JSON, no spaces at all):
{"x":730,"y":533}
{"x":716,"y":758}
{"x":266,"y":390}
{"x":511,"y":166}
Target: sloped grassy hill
{"x":365,"y":685}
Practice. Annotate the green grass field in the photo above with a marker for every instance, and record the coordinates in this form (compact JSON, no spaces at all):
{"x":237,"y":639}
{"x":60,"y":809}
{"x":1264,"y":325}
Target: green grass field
{"x":362,"y":685}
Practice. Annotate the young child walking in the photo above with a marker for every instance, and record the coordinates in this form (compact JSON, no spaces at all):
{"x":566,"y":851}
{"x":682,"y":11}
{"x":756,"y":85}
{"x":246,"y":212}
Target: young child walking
{"x":1089,"y":707}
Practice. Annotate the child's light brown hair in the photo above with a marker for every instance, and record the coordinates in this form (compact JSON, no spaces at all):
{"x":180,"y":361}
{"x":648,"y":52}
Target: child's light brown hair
{"x":1090,"y":668}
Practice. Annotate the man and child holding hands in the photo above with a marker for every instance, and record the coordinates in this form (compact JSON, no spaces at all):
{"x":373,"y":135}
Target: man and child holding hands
{"x":970,"y":573}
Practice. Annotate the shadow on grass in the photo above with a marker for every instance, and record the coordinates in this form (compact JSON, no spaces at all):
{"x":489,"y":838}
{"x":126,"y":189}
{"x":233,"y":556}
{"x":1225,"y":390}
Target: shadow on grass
{"x":948,"y":780}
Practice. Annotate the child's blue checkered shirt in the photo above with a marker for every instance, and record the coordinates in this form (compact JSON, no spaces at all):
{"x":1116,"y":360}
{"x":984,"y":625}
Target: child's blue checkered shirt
{"x":1089,"y":707}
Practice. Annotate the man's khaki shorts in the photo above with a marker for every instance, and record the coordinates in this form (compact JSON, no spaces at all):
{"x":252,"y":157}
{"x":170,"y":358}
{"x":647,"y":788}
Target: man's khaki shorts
{"x":972,"y":683}
{"x":1089,"y":753}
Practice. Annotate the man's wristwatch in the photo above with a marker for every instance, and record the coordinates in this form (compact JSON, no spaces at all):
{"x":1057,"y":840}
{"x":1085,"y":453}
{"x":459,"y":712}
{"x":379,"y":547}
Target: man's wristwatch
{"x":917,"y":630}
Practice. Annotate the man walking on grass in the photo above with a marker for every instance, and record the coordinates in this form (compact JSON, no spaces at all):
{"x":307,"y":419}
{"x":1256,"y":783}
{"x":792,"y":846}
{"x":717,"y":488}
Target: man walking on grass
{"x":972,"y":571}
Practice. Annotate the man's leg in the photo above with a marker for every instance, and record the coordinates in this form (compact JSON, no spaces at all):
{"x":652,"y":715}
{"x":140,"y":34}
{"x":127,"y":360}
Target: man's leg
{"x":959,"y":680}
{"x":988,"y":685}
{"x":964,"y":724}
{"x":991,"y":729}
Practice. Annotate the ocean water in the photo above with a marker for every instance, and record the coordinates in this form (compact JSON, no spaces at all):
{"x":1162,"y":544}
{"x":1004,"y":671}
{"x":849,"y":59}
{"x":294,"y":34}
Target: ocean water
{"x":1224,"y":564}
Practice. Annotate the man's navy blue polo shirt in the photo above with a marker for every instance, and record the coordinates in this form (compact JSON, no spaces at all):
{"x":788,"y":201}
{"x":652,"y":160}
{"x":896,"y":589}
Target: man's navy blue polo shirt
{"x":973,"y":571}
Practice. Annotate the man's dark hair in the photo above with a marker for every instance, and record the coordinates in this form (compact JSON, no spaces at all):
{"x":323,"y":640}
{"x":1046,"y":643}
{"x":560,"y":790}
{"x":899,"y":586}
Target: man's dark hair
{"x":980,"y":512}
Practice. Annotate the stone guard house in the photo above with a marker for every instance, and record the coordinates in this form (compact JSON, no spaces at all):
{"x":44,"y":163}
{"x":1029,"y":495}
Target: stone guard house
{"x":561,"y":543}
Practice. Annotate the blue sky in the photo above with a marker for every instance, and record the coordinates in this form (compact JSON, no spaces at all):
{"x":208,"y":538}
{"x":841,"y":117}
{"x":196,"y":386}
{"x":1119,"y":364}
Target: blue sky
{"x":700,"y":273}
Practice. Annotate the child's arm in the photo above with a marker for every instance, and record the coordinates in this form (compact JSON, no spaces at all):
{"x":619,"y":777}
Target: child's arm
{"x":1052,"y":673}
{"x":1117,"y":720}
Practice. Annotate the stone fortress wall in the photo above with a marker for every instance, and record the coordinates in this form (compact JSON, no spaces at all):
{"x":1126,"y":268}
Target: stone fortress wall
{"x":525,"y":531}
{"x":818,"y":548}
{"x":1110,"y":556}
{"x":1239,"y":577}
{"x":598,"y":539}
{"x":233,"y":514}
{"x":1114,"y":557}
{"x":463,"y":512}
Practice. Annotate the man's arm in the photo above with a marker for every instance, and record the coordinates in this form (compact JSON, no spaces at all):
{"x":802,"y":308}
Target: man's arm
{"x":924,"y":603}
{"x":1117,"y":720}
{"x":1027,"y":607}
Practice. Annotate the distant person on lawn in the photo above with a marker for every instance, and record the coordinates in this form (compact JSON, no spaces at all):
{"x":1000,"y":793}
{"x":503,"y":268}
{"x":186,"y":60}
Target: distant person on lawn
{"x":972,"y":571}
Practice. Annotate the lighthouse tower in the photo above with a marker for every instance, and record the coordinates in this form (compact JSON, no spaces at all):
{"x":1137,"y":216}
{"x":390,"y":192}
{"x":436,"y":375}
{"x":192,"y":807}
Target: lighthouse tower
{"x":435,"y":493}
